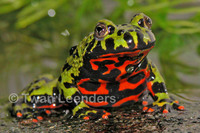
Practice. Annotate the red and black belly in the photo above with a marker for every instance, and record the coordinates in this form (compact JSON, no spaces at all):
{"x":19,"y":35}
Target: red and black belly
{"x":105,"y":82}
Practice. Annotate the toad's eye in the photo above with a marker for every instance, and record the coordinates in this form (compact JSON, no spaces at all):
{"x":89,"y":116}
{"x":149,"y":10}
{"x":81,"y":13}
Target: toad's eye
{"x":101,"y":31}
{"x":145,"y":22}
{"x":148,"y":22}
{"x":141,"y":22}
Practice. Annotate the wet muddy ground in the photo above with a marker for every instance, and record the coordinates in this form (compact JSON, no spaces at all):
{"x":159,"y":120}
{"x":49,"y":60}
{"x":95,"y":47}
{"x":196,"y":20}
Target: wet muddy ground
{"x":122,"y":120}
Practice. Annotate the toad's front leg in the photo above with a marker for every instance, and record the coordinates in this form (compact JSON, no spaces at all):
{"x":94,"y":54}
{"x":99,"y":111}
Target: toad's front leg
{"x":79,"y":108}
{"x":158,"y":91}
{"x":85,"y":112}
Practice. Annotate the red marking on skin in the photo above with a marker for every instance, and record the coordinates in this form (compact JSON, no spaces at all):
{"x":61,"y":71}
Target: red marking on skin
{"x":122,"y":68}
{"x":52,"y":106}
{"x":149,"y":86}
{"x":165,"y":111}
{"x":40,"y":118}
{"x":83,"y":80}
{"x":144,"y":103}
{"x":96,"y":104}
{"x":126,"y":99}
{"x":121,"y":54}
{"x":181,"y":107}
{"x":126,"y":85}
{"x":86,"y":118}
{"x":95,"y":67}
{"x":150,"y":110}
{"x":19,"y":114}
{"x":176,"y":101}
{"x":114,"y":57}
{"x":145,"y":108}
{"x":34,"y":120}
{"x":103,"y":81}
{"x":101,"y":90}
{"x":110,"y":67}
{"x":48,"y":112}
{"x":105,"y":116}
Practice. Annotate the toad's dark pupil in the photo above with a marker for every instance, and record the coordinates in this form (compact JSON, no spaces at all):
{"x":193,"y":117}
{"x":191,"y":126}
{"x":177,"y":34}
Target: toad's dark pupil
{"x":100,"y":31}
{"x":148,"y":22}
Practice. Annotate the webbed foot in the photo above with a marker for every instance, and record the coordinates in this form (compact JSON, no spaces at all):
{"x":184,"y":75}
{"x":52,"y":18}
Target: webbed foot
{"x":164,"y":106}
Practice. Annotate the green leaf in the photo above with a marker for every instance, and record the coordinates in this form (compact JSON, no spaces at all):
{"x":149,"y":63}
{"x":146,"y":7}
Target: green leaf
{"x":9,"y":6}
{"x":33,"y":13}
{"x":185,"y":10}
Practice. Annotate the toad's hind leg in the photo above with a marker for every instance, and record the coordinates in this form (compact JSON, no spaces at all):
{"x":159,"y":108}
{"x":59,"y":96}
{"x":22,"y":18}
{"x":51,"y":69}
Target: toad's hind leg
{"x":39,"y":98}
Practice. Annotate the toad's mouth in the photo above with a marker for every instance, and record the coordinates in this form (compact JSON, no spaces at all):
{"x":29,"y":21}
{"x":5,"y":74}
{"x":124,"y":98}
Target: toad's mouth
{"x":132,"y":55}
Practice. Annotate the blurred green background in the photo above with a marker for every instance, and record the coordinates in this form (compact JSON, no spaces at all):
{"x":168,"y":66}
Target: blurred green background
{"x":36,"y":35}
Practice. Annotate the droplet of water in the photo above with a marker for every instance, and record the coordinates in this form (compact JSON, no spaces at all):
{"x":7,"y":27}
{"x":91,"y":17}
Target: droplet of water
{"x":65,"y":33}
{"x":34,"y":106}
{"x":38,"y":97}
{"x":51,"y":12}
{"x":130,"y":69}
{"x":130,"y":2}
